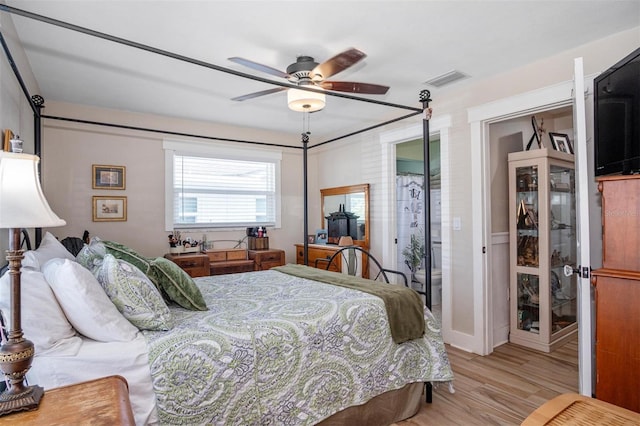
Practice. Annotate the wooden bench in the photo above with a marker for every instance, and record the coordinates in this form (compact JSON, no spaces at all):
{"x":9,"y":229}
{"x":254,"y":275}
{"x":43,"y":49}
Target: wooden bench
{"x":577,"y":409}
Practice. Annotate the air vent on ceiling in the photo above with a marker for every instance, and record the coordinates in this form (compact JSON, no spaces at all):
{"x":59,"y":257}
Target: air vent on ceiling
{"x":446,"y":78}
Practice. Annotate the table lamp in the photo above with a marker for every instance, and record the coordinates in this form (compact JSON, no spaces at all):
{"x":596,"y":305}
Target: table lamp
{"x":22,"y":205}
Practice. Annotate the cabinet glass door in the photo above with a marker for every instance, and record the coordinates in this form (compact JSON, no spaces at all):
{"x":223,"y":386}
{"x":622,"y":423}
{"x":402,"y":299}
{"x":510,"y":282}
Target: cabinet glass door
{"x":528,"y":252}
{"x":529,"y":303}
{"x":562,"y":250}
{"x":527,"y":216}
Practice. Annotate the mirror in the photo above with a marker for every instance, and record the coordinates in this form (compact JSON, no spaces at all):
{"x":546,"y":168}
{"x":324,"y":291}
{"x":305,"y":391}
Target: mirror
{"x":351,"y":199}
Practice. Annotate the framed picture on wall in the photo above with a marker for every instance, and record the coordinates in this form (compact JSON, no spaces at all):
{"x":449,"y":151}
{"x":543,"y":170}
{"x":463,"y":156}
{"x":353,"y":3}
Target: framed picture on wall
{"x":109,"y":209}
{"x":108,"y":177}
{"x":560,"y":142}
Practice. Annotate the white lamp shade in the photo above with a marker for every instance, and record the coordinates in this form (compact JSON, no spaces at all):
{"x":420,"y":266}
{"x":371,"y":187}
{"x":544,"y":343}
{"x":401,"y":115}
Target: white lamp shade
{"x":22,"y":202}
{"x":305,"y":101}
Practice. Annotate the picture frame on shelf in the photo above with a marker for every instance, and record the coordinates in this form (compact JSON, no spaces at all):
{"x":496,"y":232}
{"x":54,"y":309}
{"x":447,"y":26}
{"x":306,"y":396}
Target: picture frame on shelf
{"x":108,"y":177}
{"x":560,"y":142}
{"x":321,"y":236}
{"x":109,"y":209}
{"x":6,"y":143}
{"x":311,"y":238}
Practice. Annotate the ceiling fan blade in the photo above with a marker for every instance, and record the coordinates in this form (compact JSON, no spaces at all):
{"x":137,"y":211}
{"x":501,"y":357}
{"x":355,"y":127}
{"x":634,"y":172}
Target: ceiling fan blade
{"x":336,"y":64}
{"x":352,"y":87}
{"x":259,"y":67}
{"x":261,"y":93}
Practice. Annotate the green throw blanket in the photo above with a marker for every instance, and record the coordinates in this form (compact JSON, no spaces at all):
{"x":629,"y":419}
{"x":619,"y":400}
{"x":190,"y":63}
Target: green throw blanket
{"x":404,"y":306}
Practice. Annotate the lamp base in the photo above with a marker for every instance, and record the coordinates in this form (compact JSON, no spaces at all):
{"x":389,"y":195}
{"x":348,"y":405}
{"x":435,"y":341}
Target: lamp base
{"x":27,"y":400}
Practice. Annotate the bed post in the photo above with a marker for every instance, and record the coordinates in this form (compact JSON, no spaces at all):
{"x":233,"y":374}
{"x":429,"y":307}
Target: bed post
{"x":425,"y":98}
{"x":38,"y":102}
{"x":305,"y":142}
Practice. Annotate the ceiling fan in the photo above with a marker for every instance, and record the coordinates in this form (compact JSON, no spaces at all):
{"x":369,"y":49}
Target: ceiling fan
{"x":307,"y":72}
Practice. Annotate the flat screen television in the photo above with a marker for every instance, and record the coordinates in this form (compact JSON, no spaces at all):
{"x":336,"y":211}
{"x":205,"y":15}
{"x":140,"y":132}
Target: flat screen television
{"x":617,"y":118}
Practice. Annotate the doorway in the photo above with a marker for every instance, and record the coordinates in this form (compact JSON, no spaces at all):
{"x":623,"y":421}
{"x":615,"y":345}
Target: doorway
{"x":439,"y":129}
{"x":480,"y":118}
{"x":410,"y":228}
{"x":506,"y":136}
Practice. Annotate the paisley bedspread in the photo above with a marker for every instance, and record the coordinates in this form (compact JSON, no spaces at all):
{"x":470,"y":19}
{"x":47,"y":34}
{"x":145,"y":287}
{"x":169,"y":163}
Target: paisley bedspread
{"x":274,"y":349}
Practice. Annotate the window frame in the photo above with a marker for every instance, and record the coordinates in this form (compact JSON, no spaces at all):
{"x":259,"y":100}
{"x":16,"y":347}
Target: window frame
{"x":220,"y":151}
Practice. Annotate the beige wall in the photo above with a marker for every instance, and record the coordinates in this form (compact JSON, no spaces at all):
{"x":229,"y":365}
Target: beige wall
{"x":70,"y":149}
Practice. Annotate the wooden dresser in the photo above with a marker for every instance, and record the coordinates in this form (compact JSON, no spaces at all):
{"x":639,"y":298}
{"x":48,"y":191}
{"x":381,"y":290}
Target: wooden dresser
{"x":318,"y":251}
{"x":194,"y":264}
{"x":266,"y":259}
{"x":102,"y":401}
{"x":617,"y":294}
{"x":228,"y":261}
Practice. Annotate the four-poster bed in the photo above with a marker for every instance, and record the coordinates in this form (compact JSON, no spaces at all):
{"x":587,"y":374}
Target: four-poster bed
{"x":421,"y":364}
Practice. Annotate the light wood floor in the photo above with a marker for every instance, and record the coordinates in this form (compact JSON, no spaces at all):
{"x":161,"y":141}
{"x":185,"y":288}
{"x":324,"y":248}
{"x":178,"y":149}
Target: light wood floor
{"x":502,"y":388}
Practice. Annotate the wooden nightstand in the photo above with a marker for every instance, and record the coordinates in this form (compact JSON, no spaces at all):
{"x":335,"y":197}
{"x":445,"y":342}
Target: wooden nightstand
{"x":102,"y":401}
{"x":266,"y":259}
{"x":194,"y":264}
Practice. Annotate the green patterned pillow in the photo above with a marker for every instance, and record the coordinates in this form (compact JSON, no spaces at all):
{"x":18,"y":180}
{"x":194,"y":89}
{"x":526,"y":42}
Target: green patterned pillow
{"x":177,"y":284}
{"x":135,"y":296}
{"x":90,"y":256}
{"x":120,"y":251}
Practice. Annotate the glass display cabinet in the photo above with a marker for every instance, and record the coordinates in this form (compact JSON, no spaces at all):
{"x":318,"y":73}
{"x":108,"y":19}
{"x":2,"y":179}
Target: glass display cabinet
{"x":542,"y":240}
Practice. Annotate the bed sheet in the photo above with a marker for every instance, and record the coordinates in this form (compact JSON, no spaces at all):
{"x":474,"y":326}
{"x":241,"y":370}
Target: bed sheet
{"x":278,"y":349}
{"x":99,"y":359}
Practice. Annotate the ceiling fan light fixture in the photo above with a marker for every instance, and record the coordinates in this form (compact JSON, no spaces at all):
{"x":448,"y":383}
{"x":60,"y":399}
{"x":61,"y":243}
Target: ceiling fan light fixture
{"x":305,"y":101}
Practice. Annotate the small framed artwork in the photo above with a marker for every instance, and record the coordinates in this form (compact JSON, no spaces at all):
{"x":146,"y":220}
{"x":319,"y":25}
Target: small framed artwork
{"x":108,"y":177}
{"x":560,"y":142}
{"x":109,"y":209}
{"x":311,"y":239}
{"x":321,"y":236}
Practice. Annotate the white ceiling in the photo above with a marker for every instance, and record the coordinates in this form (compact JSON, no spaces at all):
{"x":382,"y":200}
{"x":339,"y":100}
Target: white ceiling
{"x":407,"y":43}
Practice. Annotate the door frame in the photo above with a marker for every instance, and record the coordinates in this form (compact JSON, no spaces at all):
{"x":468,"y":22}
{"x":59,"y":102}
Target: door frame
{"x":479,"y":118}
{"x":437,"y":125}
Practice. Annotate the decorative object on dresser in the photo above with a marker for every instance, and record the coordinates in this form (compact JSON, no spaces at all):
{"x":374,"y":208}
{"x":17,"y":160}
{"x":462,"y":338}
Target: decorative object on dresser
{"x":22,"y":205}
{"x":341,"y":223}
{"x":257,"y":238}
{"x":194,"y":264}
{"x":266,"y":259}
{"x":228,"y":261}
{"x":100,"y":401}
{"x":542,"y":224}
{"x":617,"y":293}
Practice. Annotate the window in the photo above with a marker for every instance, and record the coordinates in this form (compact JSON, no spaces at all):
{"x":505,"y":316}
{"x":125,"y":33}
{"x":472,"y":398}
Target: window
{"x":213,"y":187}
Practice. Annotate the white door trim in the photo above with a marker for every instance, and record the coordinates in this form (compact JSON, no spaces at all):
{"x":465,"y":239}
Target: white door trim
{"x":479,"y":118}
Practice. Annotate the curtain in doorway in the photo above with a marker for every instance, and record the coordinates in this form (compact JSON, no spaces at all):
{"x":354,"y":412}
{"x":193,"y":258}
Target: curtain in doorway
{"x":410,"y":214}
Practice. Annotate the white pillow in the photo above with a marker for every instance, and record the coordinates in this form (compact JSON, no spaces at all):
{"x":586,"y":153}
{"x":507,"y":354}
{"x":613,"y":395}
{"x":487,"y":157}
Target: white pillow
{"x":42,"y":319}
{"x":50,"y":248}
{"x":85,"y":303}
